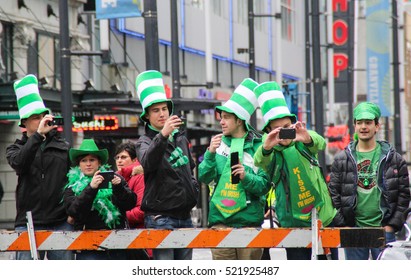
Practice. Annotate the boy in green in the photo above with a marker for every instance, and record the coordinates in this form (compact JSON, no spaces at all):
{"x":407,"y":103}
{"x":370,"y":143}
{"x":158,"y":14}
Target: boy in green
{"x":292,"y":166}
{"x":235,"y":204}
{"x":369,"y":182}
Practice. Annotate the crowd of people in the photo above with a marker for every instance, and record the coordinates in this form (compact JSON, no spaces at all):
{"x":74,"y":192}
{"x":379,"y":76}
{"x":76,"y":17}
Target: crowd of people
{"x":251,"y":175}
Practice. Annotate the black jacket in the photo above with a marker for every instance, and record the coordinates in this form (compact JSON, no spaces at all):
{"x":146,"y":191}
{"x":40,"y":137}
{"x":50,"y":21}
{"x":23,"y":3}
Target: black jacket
{"x":393,"y":182}
{"x":168,"y":191}
{"x":41,"y":167}
{"x":85,"y":217}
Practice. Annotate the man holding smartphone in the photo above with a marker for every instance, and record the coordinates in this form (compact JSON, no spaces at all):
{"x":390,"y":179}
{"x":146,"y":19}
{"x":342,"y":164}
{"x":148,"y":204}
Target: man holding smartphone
{"x":40,"y":159}
{"x":239,"y":188}
{"x":289,"y":156}
{"x":171,"y":190}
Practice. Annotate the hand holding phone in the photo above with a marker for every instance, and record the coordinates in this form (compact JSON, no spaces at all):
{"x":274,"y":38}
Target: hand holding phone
{"x":108,"y":176}
{"x":56,"y":121}
{"x":234,"y":160}
{"x":287,"y":133}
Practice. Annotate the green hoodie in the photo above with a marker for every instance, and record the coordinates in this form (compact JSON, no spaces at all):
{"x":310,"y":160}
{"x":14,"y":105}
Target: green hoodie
{"x":255,"y":183}
{"x":282,"y":205}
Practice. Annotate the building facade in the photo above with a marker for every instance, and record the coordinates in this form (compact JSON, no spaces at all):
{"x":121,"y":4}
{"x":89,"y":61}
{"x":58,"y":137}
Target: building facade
{"x":103,"y":78}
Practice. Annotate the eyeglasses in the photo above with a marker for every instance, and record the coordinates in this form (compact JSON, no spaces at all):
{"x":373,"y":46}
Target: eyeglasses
{"x":121,"y":157}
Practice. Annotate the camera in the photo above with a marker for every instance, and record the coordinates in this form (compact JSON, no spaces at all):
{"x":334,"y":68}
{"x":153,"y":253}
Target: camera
{"x":287,"y":133}
{"x":56,"y":121}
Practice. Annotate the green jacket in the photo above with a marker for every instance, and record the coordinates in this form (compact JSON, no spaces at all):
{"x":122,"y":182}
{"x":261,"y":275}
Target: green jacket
{"x":280,"y":178}
{"x":255,"y":182}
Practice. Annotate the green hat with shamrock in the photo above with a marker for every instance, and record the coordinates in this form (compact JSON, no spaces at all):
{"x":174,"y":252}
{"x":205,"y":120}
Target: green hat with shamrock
{"x":150,"y":90}
{"x":88,"y":147}
{"x":28,"y":97}
{"x":243,"y":102}
{"x":272,"y":103}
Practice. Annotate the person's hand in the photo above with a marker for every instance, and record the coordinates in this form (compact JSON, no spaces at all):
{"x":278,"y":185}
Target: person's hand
{"x":116,"y":180}
{"x":137,"y":170}
{"x":272,"y":139}
{"x":171,"y":123}
{"x":215,"y":143}
{"x":389,"y":229}
{"x":96,"y":180}
{"x":267,"y":214}
{"x":301,"y":133}
{"x":239,"y":170}
{"x":44,"y":126}
{"x":70,"y":220}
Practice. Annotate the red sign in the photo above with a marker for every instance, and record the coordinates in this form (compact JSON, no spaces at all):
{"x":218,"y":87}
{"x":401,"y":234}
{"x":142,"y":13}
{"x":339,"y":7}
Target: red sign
{"x":341,"y":59}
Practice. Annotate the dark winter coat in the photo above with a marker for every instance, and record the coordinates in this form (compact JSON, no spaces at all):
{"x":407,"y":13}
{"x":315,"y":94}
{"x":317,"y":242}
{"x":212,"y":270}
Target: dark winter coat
{"x":168,"y":191}
{"x":41,"y":167}
{"x":393,"y":182}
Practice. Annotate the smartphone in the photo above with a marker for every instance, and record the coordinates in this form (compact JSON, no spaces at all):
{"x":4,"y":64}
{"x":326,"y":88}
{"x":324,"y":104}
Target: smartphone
{"x":235,"y":179}
{"x":287,"y":133}
{"x":56,"y":121}
{"x":108,"y":176}
{"x":183,"y":125}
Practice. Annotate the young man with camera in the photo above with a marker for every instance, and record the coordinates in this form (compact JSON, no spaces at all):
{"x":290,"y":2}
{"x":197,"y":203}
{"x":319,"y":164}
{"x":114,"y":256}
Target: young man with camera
{"x":289,"y":156}
{"x":238,"y":187}
{"x":171,"y":190}
{"x":40,"y":159}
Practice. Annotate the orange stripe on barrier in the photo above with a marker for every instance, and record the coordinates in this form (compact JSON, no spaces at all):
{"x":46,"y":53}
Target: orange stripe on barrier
{"x":89,"y":240}
{"x":269,"y":237}
{"x":149,"y":238}
{"x":330,"y":238}
{"x":21,"y":243}
{"x":41,"y":236}
{"x":208,"y":238}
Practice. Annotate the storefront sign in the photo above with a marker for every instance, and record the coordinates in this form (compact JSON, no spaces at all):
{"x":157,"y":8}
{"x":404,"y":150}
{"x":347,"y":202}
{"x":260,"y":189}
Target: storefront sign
{"x":99,"y":123}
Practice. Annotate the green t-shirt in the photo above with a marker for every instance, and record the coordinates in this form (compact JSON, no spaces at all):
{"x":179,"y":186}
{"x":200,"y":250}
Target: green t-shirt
{"x":368,"y":212}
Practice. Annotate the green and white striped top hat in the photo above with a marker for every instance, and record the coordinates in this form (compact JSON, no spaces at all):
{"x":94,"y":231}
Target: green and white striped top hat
{"x":150,"y":90}
{"x":29,"y":100}
{"x":272,"y":103}
{"x":243,"y":102}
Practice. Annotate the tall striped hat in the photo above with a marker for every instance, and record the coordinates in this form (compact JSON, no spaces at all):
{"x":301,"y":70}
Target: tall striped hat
{"x":243,"y":102}
{"x":150,"y":90}
{"x":29,"y":100}
{"x":272,"y":103}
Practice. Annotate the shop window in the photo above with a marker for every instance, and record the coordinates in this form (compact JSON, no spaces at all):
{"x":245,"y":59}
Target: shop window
{"x":48,"y":58}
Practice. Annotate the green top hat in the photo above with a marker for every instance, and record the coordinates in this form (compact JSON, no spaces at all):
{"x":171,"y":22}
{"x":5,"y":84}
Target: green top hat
{"x":150,"y":90}
{"x":272,"y":103}
{"x":28,"y":97}
{"x":367,"y":111}
{"x":88,"y":147}
{"x":243,"y":102}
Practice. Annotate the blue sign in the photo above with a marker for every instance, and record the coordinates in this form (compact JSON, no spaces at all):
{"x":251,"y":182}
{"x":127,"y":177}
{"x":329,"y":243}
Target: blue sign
{"x":378,"y":55}
{"x":109,"y":9}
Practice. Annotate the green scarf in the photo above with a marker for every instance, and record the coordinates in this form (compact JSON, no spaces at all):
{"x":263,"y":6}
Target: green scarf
{"x":177,"y":157}
{"x":303,"y":180}
{"x":230,"y":198}
{"x":102,"y":203}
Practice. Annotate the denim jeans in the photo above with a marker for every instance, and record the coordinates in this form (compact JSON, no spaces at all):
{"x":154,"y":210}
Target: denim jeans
{"x":102,"y":255}
{"x":364,"y":253}
{"x":52,"y":254}
{"x":165,"y":222}
{"x":305,"y":254}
